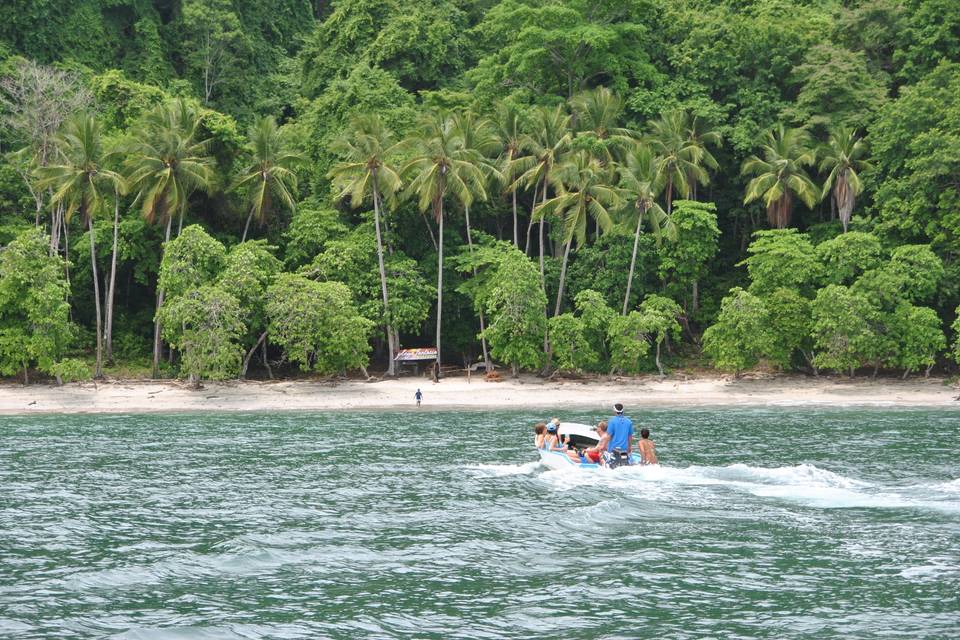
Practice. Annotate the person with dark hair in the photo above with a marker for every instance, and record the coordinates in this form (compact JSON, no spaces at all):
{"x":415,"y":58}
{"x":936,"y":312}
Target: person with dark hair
{"x":620,"y":429}
{"x":540,"y":433}
{"x":648,"y":450}
{"x":419,"y":396}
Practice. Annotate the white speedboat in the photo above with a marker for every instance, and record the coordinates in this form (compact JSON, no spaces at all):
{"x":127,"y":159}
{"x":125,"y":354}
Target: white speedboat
{"x":581,"y":436}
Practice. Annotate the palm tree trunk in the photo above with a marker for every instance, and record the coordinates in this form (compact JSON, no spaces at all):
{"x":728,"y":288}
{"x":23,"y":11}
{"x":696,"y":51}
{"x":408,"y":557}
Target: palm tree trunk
{"x":516,"y":232}
{"x":55,"y":229}
{"x":633,"y":262}
{"x":180,"y":223}
{"x":98,"y":372}
{"x":543,"y":281}
{"x":66,"y":254}
{"x":563,"y":275}
{"x":245,"y":227}
{"x":669,"y":195}
{"x":439,"y":286}
{"x":391,"y":366}
{"x":657,"y":359}
{"x":111,"y":286}
{"x":483,"y":340}
{"x":156,"y":322}
{"x":533,"y":207}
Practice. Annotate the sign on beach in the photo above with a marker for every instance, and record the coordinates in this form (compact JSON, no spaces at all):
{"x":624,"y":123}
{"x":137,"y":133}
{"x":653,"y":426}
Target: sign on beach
{"x":412,"y":355}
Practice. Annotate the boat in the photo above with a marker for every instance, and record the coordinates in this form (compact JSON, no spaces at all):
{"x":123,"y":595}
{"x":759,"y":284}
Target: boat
{"x":581,"y":436}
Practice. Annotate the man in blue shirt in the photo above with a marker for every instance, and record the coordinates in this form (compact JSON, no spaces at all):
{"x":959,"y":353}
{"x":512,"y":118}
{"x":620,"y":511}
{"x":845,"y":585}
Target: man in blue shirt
{"x":620,"y":429}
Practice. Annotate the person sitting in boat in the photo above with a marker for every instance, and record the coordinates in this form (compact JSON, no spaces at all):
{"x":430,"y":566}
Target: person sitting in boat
{"x":595,"y":453}
{"x":552,"y":442}
{"x":540,"y":433}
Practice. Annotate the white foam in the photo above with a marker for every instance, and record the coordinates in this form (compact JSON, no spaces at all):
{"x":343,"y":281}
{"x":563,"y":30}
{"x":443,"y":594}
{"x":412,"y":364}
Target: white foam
{"x":500,"y":470}
{"x":947,"y":487}
{"x":936,"y":570}
{"x":804,"y":484}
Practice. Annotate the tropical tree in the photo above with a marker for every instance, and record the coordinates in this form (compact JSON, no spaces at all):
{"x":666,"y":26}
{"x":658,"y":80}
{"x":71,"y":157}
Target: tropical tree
{"x":679,"y":159}
{"x":547,"y":141}
{"x":80,"y":182}
{"x":741,"y":335}
{"x":271,"y":172}
{"x":597,"y":114}
{"x":509,"y":123}
{"x":780,"y":174}
{"x":640,"y":183}
{"x":438,"y":168}
{"x":478,"y":141}
{"x":586,"y":195}
{"x":165,"y":164}
{"x":35,"y":326}
{"x":366,"y":171}
{"x":206,"y":325}
{"x":699,"y":136}
{"x":317,"y":324}
{"x":842,"y":159}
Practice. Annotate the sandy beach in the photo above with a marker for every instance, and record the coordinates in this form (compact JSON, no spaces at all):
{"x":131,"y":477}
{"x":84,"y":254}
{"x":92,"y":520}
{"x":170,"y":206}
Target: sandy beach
{"x":459,"y":393}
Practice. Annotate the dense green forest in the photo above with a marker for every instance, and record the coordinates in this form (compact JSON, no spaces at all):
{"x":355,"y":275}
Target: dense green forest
{"x":206,"y":188}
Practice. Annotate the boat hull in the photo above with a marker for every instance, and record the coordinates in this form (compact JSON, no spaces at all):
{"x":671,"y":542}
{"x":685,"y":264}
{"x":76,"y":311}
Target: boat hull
{"x":560,"y":460}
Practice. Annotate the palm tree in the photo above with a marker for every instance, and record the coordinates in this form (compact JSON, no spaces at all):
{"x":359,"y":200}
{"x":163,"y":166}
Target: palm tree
{"x":440,"y":168}
{"x":585,"y":195}
{"x":271,"y":172}
{"x":597,"y":114}
{"x":547,"y":141}
{"x":478,"y":142}
{"x":80,"y":181}
{"x":365,"y":172}
{"x":699,"y":136}
{"x":510,"y":125}
{"x":842,"y":158}
{"x":166,"y":164}
{"x":641,"y":183}
{"x":780,"y":175}
{"x":678,"y":159}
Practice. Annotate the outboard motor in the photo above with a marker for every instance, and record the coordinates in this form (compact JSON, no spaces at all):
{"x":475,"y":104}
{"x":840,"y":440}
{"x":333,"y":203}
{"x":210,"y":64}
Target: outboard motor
{"x":618,"y":458}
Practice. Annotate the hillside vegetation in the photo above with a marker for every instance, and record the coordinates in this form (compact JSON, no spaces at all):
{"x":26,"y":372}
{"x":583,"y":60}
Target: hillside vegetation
{"x":208,"y":188}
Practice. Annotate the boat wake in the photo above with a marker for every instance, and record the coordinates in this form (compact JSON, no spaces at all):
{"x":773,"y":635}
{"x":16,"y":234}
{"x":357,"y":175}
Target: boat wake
{"x":501,"y":470}
{"x":803,"y":484}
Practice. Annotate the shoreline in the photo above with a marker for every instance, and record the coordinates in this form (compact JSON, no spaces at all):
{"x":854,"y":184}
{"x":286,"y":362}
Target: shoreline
{"x":457,"y":393}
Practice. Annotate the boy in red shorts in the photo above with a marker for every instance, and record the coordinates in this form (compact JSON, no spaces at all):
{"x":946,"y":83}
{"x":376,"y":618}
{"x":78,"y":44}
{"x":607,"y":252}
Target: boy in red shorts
{"x":595,"y":454}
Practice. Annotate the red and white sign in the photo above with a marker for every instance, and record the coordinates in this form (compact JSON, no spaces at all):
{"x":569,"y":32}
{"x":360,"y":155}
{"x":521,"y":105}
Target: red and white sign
{"x":412,"y":355}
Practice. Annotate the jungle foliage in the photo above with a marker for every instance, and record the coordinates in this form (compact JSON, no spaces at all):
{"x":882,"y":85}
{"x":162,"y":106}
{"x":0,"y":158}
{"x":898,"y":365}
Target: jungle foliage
{"x":207,"y":188}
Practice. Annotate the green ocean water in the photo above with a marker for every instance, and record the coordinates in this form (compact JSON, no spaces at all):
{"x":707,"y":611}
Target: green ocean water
{"x":759,"y":523}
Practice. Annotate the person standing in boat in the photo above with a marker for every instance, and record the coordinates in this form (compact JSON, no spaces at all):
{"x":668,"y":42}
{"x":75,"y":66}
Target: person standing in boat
{"x":620,"y":429}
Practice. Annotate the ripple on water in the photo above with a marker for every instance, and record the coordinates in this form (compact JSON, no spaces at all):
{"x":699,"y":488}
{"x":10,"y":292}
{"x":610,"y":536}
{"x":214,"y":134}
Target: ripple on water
{"x":293,"y":526}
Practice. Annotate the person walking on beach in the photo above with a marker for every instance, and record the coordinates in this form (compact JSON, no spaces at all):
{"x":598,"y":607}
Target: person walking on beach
{"x":418,"y":396}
